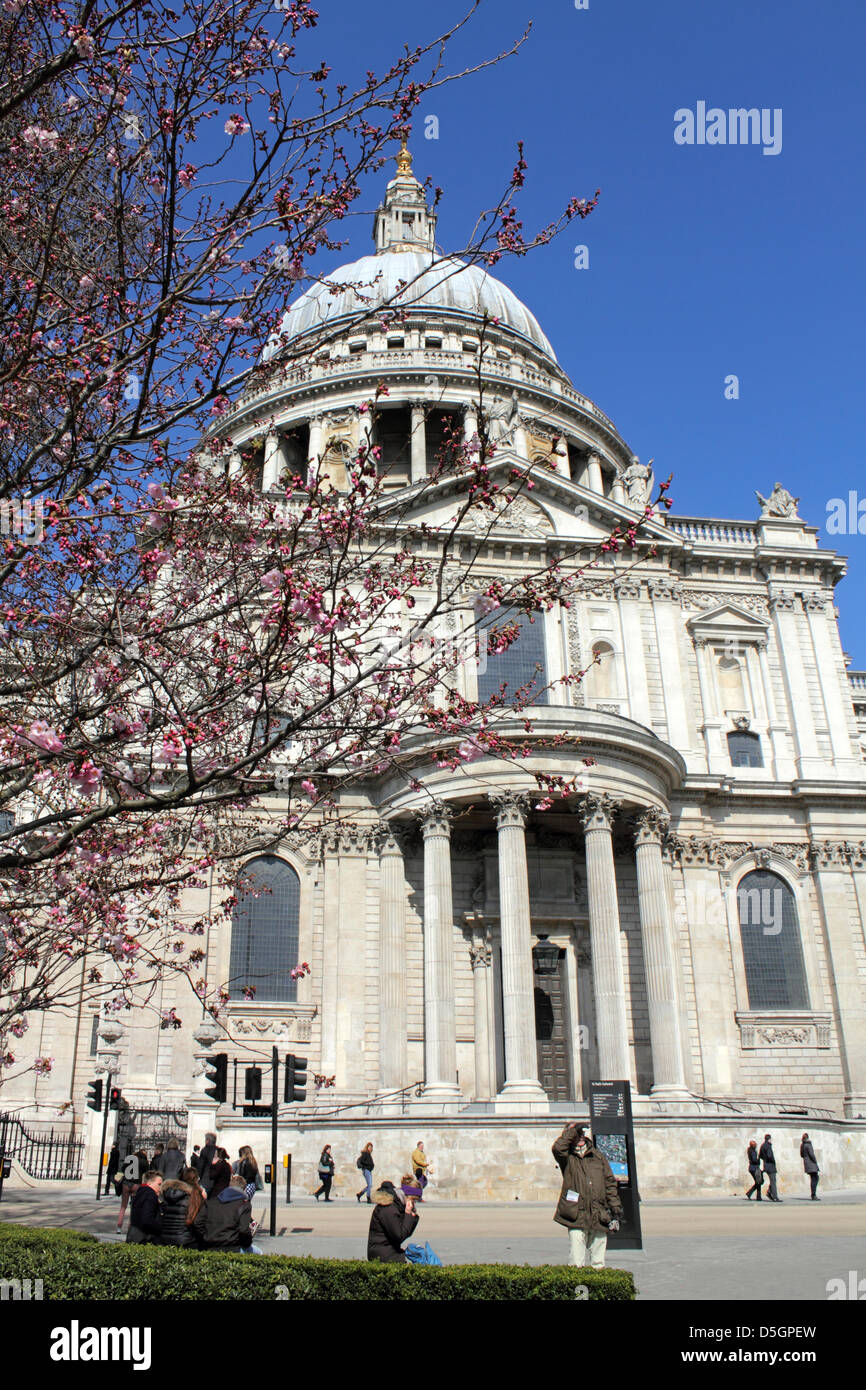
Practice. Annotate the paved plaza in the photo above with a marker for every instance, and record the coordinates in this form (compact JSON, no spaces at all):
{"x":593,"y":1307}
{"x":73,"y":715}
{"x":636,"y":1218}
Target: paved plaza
{"x":723,"y":1249}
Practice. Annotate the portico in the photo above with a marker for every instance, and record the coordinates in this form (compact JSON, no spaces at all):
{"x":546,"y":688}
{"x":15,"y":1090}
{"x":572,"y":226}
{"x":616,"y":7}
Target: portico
{"x":543,"y":1020}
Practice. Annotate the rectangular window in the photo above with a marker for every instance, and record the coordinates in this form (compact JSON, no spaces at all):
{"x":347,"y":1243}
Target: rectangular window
{"x":94,"y":1035}
{"x":522,"y":667}
{"x":396,"y":342}
{"x":359,"y":345}
{"x":745,"y":750}
{"x":434,"y":343}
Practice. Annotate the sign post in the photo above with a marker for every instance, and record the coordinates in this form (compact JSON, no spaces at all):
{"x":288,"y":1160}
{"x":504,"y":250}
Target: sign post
{"x":612,"y":1128}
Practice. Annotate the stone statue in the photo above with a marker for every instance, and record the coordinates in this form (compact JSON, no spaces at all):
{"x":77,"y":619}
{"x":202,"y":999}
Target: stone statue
{"x":637,"y":479}
{"x":503,"y":419}
{"x":779,"y":503}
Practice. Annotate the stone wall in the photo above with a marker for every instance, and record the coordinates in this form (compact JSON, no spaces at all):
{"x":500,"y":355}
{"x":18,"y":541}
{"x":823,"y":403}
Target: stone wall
{"x":501,"y":1158}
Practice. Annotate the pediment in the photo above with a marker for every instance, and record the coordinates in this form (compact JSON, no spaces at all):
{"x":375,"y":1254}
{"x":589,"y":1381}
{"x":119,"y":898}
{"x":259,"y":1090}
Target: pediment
{"x":726,"y":621}
{"x":538,"y":504}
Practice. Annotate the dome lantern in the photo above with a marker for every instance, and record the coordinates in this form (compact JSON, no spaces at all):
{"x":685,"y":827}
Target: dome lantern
{"x":404,"y":222}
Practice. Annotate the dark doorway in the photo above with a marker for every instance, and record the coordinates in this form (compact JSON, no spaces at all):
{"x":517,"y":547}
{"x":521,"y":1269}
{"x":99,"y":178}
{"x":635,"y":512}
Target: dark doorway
{"x":551,"y":1033}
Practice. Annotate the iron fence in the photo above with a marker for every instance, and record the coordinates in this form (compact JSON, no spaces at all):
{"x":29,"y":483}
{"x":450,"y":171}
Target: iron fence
{"x":42,"y":1152}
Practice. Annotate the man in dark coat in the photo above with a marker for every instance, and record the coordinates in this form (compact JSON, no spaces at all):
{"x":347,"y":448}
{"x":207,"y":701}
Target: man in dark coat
{"x":392,"y":1222}
{"x":768,"y":1158}
{"x":589,"y":1204}
{"x":204,"y":1159}
{"x":810,"y":1165}
{"x":223,"y":1223}
{"x":145,"y":1214}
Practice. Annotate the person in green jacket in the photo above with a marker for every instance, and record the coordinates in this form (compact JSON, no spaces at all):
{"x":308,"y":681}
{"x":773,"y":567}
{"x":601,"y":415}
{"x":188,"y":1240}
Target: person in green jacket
{"x":589,"y":1204}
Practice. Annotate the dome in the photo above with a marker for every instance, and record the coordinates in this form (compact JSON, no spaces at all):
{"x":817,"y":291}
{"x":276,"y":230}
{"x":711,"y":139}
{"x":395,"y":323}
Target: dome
{"x":431,"y":282}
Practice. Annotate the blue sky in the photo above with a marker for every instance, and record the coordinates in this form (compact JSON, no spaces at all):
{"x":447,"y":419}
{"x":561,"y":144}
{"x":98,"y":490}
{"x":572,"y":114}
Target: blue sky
{"x":705,"y":260}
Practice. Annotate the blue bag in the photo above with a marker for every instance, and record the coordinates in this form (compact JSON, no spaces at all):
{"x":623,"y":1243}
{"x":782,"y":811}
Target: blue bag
{"x":422,"y":1255}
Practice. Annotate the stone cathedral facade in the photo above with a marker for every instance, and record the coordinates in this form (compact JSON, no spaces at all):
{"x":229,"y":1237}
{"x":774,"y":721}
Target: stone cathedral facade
{"x":694,"y":921}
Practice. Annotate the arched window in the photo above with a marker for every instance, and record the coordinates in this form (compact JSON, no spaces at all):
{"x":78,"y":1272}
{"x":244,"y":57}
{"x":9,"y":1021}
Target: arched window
{"x":772,"y":949}
{"x":601,"y":679}
{"x":521,"y":667}
{"x":265,"y":931}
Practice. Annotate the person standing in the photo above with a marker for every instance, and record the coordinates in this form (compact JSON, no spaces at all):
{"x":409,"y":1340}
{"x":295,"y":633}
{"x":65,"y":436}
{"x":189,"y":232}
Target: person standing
{"x":768,"y":1158}
{"x":132,"y":1167}
{"x":364,"y":1161}
{"x":420,"y":1164}
{"x":754,"y":1164}
{"x":589,"y":1205}
{"x":326,"y":1174}
{"x":248,"y":1169}
{"x":145,"y":1214}
{"x":810,"y":1165}
{"x":112,"y":1172}
{"x":219,"y":1174}
{"x":158,"y":1159}
{"x":205,"y":1158}
{"x":224,"y":1222}
{"x":392,"y":1222}
{"x":173,"y":1161}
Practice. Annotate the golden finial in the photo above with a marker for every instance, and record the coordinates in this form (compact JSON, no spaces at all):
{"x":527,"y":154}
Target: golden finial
{"x":404,"y":160}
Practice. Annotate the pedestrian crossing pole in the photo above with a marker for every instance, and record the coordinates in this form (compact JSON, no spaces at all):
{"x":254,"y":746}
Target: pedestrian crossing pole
{"x":274,"y":1096}
{"x":104,"y":1131}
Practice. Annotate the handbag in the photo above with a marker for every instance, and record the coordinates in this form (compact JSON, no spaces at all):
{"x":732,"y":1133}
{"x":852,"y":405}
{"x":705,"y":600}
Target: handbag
{"x":422,"y":1255}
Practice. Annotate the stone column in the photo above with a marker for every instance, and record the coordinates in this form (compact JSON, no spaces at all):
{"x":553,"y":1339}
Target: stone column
{"x":235,"y":463}
{"x":393,"y":1067}
{"x":783,"y":762}
{"x":597,"y":813}
{"x":658,"y":951}
{"x":836,"y":697}
{"x":418,"y":453}
{"x":617,"y":491}
{"x":518,"y":997}
{"x":317,"y":444}
{"x":786,"y":622}
{"x":481,"y":956}
{"x":201,"y":1108}
{"x":832,"y":876}
{"x":592,"y":477}
{"x":470,"y":423}
{"x":274,"y":460}
{"x":440,"y":1029}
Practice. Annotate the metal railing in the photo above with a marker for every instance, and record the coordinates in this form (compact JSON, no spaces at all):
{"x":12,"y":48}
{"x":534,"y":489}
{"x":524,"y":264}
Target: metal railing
{"x":416,"y":1088}
{"x":51,"y":1154}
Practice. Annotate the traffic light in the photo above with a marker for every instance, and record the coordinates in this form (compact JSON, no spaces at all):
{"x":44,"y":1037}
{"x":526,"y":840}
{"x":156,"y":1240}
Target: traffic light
{"x":94,"y":1095}
{"x":115,"y":1098}
{"x":253,"y":1083}
{"x":296,"y":1080}
{"x":217,"y":1073}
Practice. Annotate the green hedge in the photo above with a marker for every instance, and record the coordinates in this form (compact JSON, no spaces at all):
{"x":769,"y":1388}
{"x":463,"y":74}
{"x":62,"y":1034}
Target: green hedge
{"x":73,"y":1265}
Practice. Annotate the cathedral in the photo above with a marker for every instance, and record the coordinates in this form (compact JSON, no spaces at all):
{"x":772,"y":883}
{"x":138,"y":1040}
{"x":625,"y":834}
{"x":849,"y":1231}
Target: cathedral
{"x":693,"y":920}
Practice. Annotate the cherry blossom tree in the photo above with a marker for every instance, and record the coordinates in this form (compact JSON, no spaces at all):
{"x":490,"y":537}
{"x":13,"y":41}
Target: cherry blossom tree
{"x":177,"y":646}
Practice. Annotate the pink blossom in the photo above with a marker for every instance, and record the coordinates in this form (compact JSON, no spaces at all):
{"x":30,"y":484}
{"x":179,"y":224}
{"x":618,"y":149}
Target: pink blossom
{"x":42,"y":1065}
{"x":469,"y":751}
{"x":236,"y":125}
{"x":309,"y":787}
{"x":271,"y":581}
{"x":87,"y":778}
{"x":45,"y":737}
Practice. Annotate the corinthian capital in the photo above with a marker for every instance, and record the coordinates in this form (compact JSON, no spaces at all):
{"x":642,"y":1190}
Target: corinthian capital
{"x":511,"y":808}
{"x":597,"y":810}
{"x":651,"y":826}
{"x":436,"y":820}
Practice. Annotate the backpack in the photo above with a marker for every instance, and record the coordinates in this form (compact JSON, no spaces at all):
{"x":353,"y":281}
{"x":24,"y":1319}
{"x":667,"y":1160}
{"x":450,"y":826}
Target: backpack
{"x":422,"y":1255}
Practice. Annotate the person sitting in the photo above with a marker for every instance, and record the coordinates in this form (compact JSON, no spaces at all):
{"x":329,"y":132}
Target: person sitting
{"x":392,"y":1222}
{"x":145,"y":1214}
{"x":223,"y":1222}
{"x":182,"y":1199}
